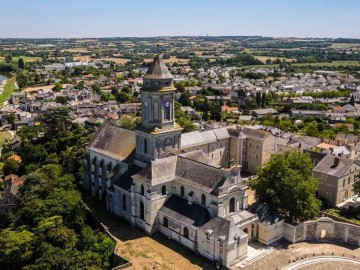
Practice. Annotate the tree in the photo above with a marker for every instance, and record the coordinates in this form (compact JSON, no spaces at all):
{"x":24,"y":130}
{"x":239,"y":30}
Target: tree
{"x":57,"y":87}
{"x":185,"y":98}
{"x":286,"y":183}
{"x":11,"y":118}
{"x":352,"y":100}
{"x":8,"y":58}
{"x":258,"y":99}
{"x":96,"y":88}
{"x":21,"y":63}
{"x":263,"y":100}
{"x":16,"y":248}
{"x":356,"y":188}
{"x":22,"y":79}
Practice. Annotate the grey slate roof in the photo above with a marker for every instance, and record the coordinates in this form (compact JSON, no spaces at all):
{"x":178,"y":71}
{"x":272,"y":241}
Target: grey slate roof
{"x":194,"y":169}
{"x":326,"y":166}
{"x":179,"y":209}
{"x":221,"y":227}
{"x":159,"y":171}
{"x":199,"y":175}
{"x":158,"y":70}
{"x":113,"y":141}
{"x":195,"y":138}
{"x":265,"y":213}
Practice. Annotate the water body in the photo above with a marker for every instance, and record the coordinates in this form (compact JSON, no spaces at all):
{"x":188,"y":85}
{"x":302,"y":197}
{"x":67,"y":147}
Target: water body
{"x":3,"y":77}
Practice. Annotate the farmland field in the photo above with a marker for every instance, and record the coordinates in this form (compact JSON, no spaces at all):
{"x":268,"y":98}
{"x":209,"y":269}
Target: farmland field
{"x":25,"y":58}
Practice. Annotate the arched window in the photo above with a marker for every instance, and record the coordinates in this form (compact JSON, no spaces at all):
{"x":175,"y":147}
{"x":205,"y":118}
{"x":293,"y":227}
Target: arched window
{"x":203,"y":199}
{"x":145,"y":146}
{"x":142,"y":190}
{"x":142,"y":211}
{"x":124,"y":202}
{"x":232,"y":205}
{"x":186,"y":232}
{"x":182,"y":191}
{"x":163,"y":190}
{"x":166,"y":222}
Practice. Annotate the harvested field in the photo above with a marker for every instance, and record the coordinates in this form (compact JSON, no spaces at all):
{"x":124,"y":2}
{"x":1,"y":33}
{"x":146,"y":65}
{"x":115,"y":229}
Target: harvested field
{"x":119,"y":61}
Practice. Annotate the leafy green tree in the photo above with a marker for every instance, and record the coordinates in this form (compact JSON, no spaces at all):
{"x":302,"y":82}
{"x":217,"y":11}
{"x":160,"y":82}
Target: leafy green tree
{"x":58,"y":86}
{"x":258,"y":99}
{"x":21,"y":63}
{"x":16,"y":248}
{"x":11,"y":118}
{"x":185,"y":98}
{"x":352,"y":100}
{"x":286,"y":183}
{"x":96,"y":88}
{"x":263,"y":100}
{"x":22,"y":79}
{"x":127,"y":123}
{"x":11,"y":166}
{"x":356,"y":188}
{"x":8,"y":58}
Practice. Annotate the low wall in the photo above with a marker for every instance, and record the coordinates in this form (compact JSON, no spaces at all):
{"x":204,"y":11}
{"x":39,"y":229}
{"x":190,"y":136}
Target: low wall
{"x":121,"y":262}
{"x":323,"y":229}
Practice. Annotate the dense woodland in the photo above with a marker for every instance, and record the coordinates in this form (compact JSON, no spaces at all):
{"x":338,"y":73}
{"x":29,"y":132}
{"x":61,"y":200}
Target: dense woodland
{"x":51,"y":228}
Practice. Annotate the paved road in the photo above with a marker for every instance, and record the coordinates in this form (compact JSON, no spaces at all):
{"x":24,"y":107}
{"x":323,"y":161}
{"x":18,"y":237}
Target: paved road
{"x":315,"y":260}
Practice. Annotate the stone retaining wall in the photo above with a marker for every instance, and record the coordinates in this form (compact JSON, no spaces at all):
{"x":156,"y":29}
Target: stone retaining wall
{"x":323,"y":229}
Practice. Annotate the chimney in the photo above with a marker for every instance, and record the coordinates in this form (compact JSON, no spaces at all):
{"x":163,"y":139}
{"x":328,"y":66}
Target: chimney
{"x":336,"y":162}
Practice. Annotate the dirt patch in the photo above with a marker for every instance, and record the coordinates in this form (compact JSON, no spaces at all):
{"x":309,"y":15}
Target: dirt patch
{"x":289,"y":253}
{"x":146,"y":252}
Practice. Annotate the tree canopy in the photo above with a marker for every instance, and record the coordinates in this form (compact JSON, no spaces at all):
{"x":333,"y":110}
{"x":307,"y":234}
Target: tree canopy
{"x":51,"y":228}
{"x":286,"y":183}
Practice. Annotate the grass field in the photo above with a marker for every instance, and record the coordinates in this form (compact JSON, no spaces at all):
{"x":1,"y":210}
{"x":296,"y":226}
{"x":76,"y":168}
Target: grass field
{"x":5,"y":136}
{"x":9,"y":88}
{"x":25,"y":58}
{"x":345,"y":45}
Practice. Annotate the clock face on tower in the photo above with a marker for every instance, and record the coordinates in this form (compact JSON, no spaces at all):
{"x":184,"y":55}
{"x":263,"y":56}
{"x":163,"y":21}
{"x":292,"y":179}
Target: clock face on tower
{"x":146,"y":103}
{"x":167,"y":103}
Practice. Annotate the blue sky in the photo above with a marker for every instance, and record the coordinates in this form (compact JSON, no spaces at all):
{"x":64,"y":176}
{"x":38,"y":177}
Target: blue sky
{"x":124,"y":18}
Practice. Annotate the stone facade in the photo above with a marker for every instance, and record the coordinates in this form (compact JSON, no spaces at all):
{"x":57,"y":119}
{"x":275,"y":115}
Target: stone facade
{"x":336,"y":177}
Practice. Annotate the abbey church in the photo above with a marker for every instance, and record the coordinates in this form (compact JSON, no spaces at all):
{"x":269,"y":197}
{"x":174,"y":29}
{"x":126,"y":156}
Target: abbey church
{"x":186,"y":186}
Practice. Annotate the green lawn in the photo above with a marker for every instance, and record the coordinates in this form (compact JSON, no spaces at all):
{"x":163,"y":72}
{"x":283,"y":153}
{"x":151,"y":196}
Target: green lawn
{"x":5,"y":136}
{"x":8,"y":90}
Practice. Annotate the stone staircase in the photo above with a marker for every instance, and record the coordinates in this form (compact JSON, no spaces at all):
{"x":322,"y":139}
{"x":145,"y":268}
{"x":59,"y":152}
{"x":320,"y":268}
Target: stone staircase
{"x":250,"y":260}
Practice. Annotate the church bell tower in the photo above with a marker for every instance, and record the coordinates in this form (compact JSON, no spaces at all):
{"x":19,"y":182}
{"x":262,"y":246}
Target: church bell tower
{"x":158,"y":129}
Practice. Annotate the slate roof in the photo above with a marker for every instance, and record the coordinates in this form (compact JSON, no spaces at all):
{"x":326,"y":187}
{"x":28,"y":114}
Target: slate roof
{"x":158,"y":70}
{"x":255,"y":133}
{"x":193,"y":168}
{"x":113,"y":141}
{"x":326,"y":166}
{"x":199,"y":175}
{"x":190,"y":214}
{"x":125,"y":180}
{"x":158,"y":171}
{"x":265,"y":213}
{"x":221,"y":227}
{"x":200,"y":156}
{"x":194,"y":138}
